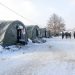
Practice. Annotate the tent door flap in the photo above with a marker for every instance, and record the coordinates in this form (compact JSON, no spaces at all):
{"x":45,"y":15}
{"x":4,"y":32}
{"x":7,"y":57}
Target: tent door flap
{"x":19,"y":36}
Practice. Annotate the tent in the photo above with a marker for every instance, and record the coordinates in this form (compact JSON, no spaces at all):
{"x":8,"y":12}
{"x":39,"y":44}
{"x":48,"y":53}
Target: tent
{"x":48,"y":34}
{"x":12,"y":32}
{"x":33,"y":32}
{"x":44,"y":33}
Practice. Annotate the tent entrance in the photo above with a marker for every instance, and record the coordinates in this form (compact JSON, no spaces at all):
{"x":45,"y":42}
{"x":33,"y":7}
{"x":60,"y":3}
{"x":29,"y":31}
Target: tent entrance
{"x":45,"y":33}
{"x":37,"y":33}
{"x":20,"y":35}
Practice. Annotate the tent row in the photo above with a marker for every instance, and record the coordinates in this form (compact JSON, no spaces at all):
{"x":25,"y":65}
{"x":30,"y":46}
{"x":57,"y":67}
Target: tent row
{"x":15,"y":32}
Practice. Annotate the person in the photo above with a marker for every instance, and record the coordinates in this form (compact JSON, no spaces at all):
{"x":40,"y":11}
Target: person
{"x":70,"y":35}
{"x":74,"y":35}
{"x":66,"y":35}
{"x":62,"y":35}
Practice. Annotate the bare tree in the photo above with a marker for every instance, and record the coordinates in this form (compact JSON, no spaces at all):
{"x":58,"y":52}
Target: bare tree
{"x":56,"y":24}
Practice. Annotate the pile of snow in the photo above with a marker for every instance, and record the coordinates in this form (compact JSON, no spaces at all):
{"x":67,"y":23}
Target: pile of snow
{"x":1,"y":48}
{"x":39,"y":40}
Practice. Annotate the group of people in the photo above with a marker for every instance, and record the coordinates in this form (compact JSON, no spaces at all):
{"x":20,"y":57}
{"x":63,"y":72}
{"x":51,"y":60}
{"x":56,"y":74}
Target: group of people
{"x":67,"y":35}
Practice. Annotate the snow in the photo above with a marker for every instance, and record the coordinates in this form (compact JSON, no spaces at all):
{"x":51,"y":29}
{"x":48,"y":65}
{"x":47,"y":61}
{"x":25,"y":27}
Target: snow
{"x":55,"y":57}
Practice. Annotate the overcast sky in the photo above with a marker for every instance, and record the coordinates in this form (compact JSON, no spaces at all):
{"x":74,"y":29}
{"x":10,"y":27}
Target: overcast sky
{"x":39,"y":11}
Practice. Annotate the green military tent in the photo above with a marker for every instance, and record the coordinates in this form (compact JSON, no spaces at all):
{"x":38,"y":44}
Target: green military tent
{"x":12,"y":32}
{"x":33,"y":32}
{"x":44,"y":33}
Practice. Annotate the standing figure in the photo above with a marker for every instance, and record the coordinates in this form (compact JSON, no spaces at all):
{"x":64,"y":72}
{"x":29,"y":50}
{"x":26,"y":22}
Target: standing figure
{"x":70,"y":35}
{"x":62,"y":35}
{"x":74,"y":35}
{"x":66,"y":35}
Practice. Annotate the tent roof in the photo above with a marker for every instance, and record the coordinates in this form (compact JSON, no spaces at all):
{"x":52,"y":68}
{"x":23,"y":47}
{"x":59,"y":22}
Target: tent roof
{"x":5,"y":24}
{"x":32,"y":27}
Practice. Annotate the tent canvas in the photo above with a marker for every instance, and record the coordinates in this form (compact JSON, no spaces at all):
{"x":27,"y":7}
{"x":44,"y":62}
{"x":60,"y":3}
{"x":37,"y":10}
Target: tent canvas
{"x":8,"y":32}
{"x":33,"y":32}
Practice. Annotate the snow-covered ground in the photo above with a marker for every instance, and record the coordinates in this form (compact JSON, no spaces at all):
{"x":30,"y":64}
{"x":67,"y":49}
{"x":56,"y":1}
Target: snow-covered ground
{"x":55,"y":57}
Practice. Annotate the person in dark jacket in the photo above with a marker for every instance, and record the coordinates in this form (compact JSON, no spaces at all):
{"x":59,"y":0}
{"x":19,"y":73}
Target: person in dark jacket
{"x":70,"y":35}
{"x":62,"y":35}
{"x":66,"y":35}
{"x":74,"y":35}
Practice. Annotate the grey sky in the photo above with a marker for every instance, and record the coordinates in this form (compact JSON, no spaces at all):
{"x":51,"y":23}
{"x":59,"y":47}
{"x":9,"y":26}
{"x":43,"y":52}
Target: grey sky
{"x":39,"y":11}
